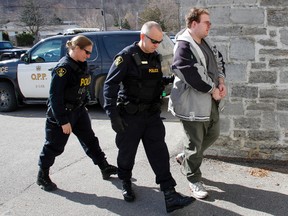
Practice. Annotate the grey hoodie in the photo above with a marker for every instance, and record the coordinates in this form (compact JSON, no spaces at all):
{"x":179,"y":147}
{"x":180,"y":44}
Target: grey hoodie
{"x":191,"y":98}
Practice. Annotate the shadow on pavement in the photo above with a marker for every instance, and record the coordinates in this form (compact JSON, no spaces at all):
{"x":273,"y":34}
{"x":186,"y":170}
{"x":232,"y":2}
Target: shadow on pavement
{"x":119,"y":206}
{"x":149,"y":201}
{"x":269,"y":202}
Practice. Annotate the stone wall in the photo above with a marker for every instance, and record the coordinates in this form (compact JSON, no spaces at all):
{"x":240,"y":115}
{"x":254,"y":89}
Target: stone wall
{"x":253,"y":37}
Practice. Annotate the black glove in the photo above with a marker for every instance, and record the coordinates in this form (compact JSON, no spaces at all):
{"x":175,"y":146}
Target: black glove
{"x":168,"y":79}
{"x":118,"y":124}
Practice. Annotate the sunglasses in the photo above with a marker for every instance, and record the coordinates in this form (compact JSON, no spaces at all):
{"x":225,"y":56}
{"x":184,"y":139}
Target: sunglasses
{"x":87,"y":52}
{"x":153,"y":41}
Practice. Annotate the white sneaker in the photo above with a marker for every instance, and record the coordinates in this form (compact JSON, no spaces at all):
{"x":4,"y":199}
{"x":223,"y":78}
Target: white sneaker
{"x":180,"y":158}
{"x":198,"y":190}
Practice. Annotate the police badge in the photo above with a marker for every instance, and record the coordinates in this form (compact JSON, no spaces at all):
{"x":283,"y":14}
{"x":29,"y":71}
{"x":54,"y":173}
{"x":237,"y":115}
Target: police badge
{"x":118,"y":60}
{"x":61,"y":71}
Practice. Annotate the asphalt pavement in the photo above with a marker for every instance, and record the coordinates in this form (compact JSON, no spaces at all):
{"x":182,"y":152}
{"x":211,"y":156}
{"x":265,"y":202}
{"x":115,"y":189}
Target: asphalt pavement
{"x":235,"y":187}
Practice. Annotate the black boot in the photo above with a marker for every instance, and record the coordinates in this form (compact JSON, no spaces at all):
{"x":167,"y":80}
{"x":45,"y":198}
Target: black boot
{"x":44,"y":180}
{"x":174,"y":200}
{"x":107,"y":170}
{"x":127,"y":191}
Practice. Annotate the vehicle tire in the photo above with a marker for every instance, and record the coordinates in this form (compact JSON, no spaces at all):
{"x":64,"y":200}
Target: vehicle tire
{"x":8,"y":100}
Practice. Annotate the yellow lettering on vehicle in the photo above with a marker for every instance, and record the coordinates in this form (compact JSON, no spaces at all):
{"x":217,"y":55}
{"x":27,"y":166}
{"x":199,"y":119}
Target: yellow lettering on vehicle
{"x":3,"y":69}
{"x":85,"y":81}
{"x":153,"y":70}
{"x":38,"y":76}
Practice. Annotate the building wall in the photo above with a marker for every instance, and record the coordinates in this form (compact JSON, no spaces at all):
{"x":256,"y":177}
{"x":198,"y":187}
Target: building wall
{"x":253,"y":37}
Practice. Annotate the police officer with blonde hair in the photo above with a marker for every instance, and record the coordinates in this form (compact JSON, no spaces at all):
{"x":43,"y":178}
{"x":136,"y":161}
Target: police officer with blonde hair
{"x":135,"y":113}
{"x":67,"y":114}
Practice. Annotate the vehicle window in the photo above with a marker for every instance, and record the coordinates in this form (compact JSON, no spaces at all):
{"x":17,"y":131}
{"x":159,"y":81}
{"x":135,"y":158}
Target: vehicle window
{"x":49,"y":51}
{"x":119,"y":42}
{"x":6,"y":45}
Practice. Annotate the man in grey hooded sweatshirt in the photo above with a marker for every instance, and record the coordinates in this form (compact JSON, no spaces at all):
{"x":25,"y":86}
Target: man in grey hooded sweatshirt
{"x":197,"y":90}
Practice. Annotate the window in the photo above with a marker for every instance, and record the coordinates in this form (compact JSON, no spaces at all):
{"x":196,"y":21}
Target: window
{"x":119,"y":42}
{"x":6,"y":45}
{"x":49,"y":51}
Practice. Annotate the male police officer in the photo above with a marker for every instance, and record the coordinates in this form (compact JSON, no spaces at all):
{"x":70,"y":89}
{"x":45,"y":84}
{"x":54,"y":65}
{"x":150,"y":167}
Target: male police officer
{"x":135,"y":113}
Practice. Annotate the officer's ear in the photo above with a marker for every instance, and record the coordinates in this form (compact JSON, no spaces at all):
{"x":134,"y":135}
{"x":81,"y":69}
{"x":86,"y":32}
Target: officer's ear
{"x":142,"y":36}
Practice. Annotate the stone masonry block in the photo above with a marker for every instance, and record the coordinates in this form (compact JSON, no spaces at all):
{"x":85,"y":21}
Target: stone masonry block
{"x":281,"y":3}
{"x":236,"y":72}
{"x":277,"y":17}
{"x":244,"y":91}
{"x":233,"y":109}
{"x":269,"y":120}
{"x":268,"y":42}
{"x":225,"y":125}
{"x":230,"y":31}
{"x":284,"y":36}
{"x":282,"y":105}
{"x":258,"y":65}
{"x":248,"y":16}
{"x":283,"y":120}
{"x":253,"y":31}
{"x":283,"y":77}
{"x":253,"y":113}
{"x":263,"y":77}
{"x":261,"y":106}
{"x":247,"y":123}
{"x":274,"y":52}
{"x":220,"y":15}
{"x":242,"y":49}
{"x":274,"y":93}
{"x":264,"y":135}
{"x":281,"y":63}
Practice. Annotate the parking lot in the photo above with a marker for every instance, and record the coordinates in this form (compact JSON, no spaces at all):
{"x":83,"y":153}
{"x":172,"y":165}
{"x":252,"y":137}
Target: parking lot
{"x":236,"y":188}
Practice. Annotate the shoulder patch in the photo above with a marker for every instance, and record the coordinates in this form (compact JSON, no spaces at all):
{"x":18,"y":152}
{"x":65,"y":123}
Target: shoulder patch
{"x":118,"y":60}
{"x":61,"y":71}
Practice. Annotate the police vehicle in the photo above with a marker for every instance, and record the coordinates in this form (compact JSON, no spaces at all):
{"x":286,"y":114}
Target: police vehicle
{"x":27,"y":80}
{"x":8,"y":51}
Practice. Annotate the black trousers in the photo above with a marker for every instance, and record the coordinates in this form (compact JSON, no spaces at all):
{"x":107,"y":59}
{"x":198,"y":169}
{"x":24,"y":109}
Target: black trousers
{"x":150,"y":129}
{"x":56,"y":140}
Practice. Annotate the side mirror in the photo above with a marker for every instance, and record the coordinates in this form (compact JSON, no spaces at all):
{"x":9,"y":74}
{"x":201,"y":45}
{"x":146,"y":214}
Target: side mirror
{"x":24,"y":57}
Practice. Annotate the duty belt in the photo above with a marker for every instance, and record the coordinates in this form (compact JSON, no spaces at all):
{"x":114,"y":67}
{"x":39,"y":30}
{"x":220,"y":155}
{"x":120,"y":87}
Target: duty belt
{"x":132,"y":108}
{"x":73,"y":107}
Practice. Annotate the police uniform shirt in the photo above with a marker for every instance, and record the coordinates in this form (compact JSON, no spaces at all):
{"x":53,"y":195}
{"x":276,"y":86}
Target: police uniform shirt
{"x":63,"y":77}
{"x":124,"y":67}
